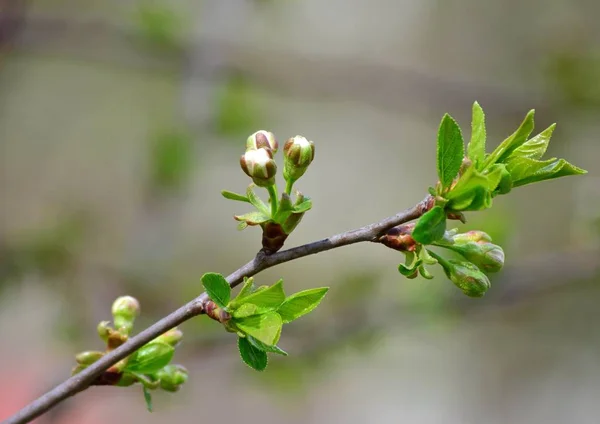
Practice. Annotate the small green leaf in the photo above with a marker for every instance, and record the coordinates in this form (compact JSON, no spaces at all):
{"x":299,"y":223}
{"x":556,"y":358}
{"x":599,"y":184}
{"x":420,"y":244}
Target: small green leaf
{"x":473,"y":191}
{"x":242,"y":226}
{"x":285,"y":208}
{"x":252,"y":218}
{"x":450,"y":151}
{"x":252,"y":356}
{"x":246,"y":310}
{"x":301,"y":303}
{"x":268,"y":298}
{"x":150,"y":358}
{"x":409,"y":270}
{"x":247,"y":289}
{"x":556,"y":169}
{"x":523,"y":167}
{"x":535,"y":147}
{"x":494,"y":175}
{"x":514,"y":141}
{"x":217,"y":288}
{"x":476,"y":148}
{"x":266,"y":348}
{"x":147,"y":398}
{"x":425,"y":273}
{"x":265,"y":328}
{"x":257,"y":201}
{"x":234,"y":196}
{"x":431,"y":226}
{"x":303,"y":206}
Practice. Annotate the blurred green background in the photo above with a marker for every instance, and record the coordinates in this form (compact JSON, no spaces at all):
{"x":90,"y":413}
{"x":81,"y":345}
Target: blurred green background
{"x":121,"y":121}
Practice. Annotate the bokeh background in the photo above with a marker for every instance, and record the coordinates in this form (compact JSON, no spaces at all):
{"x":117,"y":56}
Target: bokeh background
{"x":121,"y":121}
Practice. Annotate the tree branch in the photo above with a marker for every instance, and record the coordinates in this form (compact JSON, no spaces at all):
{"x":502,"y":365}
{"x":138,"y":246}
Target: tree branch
{"x":83,"y":380}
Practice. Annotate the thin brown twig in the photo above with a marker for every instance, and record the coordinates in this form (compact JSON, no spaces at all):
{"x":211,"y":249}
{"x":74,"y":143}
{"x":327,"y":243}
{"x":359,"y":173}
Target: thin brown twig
{"x":83,"y":380}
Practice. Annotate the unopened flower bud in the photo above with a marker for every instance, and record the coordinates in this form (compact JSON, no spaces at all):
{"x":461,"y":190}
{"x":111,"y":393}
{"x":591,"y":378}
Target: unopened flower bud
{"x":474,"y":236}
{"x":298,"y":153}
{"x":467,"y":277}
{"x":259,"y":165}
{"x":172,"y":337}
{"x":104,"y":330}
{"x":487,"y":256}
{"x":89,"y":357}
{"x":150,"y":358}
{"x":172,"y":377}
{"x":262,"y":140}
{"x":124,"y":310}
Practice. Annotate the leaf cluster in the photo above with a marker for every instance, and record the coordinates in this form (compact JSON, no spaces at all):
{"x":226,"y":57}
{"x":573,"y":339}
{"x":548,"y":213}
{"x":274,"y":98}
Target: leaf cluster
{"x":259,"y":313}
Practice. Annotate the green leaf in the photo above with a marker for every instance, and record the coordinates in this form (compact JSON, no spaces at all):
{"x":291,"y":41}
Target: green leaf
{"x":147,"y":398}
{"x":476,"y":148}
{"x":257,"y":201}
{"x":558,"y":168}
{"x":450,"y":150}
{"x":253,"y":218}
{"x":269,"y":298}
{"x":252,"y":356}
{"x":247,"y":289}
{"x":523,"y":167}
{"x":150,"y":358}
{"x":305,"y":205}
{"x":217,"y":288}
{"x":265,"y":328}
{"x":494,"y":175}
{"x":512,"y":142}
{"x":242,"y":226}
{"x":473,"y":191}
{"x":431,"y":226}
{"x":266,"y":348}
{"x":301,"y":303}
{"x":409,"y":270}
{"x":535,"y":147}
{"x":285,"y":209}
{"x":234,"y":196}
{"x":248,"y":309}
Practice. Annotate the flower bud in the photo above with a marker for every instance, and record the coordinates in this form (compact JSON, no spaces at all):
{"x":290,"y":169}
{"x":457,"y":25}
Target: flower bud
{"x":262,"y":140}
{"x":259,"y":165}
{"x":172,"y":377}
{"x":467,"y":277}
{"x":474,"y":236}
{"x":298,"y":153}
{"x":124,"y":310}
{"x":171,"y":337}
{"x":88,"y":357}
{"x":150,"y":358}
{"x":487,"y":256}
{"x":104,"y":330}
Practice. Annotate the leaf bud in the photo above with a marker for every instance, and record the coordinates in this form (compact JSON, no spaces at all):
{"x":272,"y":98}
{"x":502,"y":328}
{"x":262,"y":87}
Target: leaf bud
{"x":259,"y":165}
{"x":262,"y":140}
{"x":298,"y":154}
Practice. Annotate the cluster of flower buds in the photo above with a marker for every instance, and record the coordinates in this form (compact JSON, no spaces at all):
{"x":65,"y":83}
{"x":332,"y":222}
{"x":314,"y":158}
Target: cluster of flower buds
{"x":482,"y":257}
{"x":476,"y":247}
{"x":283,"y":215}
{"x":149,"y":365}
